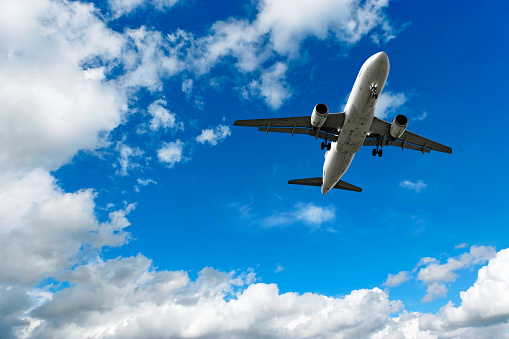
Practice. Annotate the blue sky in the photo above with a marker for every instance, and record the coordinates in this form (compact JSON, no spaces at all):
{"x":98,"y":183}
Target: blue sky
{"x":132,"y":207}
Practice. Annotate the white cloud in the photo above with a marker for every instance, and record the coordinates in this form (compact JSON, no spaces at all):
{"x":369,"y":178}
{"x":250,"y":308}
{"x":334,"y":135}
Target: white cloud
{"x":143,"y":183}
{"x":394,"y":280}
{"x":146,"y":182}
{"x":290,"y":21}
{"x":213,"y":135}
{"x":485,"y":303}
{"x":272,"y":86}
{"x":123,"y":7}
{"x":415,"y":186}
{"x":309,"y":214}
{"x":279,"y":268}
{"x":126,"y":153}
{"x":171,"y":153}
{"x":279,"y":29}
{"x":44,"y":230}
{"x":148,"y":58}
{"x":187,"y":87}
{"x":435,"y":275}
{"x":161,"y":117}
{"x":126,"y":298}
{"x":51,"y":107}
{"x":388,"y":103}
{"x":462,"y":245}
{"x":420,"y":117}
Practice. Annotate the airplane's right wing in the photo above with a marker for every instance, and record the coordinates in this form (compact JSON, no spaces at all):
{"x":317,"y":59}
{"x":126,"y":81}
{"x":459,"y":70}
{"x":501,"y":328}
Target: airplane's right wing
{"x":380,"y":133}
{"x":298,"y":125}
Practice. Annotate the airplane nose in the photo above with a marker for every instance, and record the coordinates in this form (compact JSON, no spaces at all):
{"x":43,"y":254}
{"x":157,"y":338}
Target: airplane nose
{"x":381,"y":58}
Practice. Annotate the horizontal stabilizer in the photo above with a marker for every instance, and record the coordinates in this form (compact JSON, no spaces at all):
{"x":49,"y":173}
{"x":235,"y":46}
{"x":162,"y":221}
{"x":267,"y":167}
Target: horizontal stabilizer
{"x":318,"y":182}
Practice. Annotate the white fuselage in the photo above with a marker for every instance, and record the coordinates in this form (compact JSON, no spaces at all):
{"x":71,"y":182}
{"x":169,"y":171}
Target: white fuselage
{"x":359,"y":113}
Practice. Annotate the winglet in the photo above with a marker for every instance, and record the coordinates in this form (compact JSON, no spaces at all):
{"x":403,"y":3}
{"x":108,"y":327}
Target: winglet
{"x":318,"y":181}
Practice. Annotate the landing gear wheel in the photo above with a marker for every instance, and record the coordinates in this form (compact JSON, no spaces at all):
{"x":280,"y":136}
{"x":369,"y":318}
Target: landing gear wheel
{"x":323,"y":145}
{"x":380,"y":152}
{"x":328,"y":147}
{"x":374,"y":152}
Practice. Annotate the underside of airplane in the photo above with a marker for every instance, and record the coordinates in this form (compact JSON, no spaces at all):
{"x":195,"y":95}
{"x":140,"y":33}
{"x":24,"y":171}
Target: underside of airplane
{"x":344,"y":133}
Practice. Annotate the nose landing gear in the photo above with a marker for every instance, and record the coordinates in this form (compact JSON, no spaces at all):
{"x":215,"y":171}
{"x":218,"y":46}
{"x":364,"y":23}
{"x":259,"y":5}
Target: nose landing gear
{"x":374,"y":88}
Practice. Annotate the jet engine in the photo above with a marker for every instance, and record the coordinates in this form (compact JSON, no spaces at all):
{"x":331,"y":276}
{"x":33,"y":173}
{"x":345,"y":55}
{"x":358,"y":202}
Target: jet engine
{"x":398,"y":126}
{"x":319,"y":115}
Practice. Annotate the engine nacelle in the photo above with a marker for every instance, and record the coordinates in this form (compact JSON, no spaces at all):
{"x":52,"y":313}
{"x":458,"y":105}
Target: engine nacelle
{"x":319,"y":115}
{"x":398,"y":126}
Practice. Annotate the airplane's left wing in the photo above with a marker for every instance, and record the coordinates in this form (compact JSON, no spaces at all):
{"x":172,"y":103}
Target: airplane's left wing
{"x":380,"y":134}
{"x":298,"y":125}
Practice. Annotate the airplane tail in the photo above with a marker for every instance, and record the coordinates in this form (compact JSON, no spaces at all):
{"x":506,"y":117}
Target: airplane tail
{"x":318,"y":181}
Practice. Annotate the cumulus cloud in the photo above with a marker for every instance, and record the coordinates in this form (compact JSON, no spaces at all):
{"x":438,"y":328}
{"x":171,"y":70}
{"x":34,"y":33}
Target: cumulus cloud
{"x":309,"y":214}
{"x":52,"y":106}
{"x":126,"y":298}
{"x":290,"y":22}
{"x":44,"y":230}
{"x":436,"y":275}
{"x":483,"y":304}
{"x":161,"y":117}
{"x":394,"y":280}
{"x":414,"y":186}
{"x":148,"y":57}
{"x":213,"y":135}
{"x":126,"y":154}
{"x":171,"y":153}
{"x":272,"y":86}
{"x":278,"y":30}
{"x":388,"y":103}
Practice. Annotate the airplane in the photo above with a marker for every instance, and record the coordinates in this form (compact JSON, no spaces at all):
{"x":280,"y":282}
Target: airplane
{"x":347,"y":131}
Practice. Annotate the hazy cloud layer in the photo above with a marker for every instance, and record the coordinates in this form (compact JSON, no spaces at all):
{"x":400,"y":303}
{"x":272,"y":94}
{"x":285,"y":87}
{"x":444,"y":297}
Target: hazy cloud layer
{"x":414,"y":186}
{"x":309,"y":214}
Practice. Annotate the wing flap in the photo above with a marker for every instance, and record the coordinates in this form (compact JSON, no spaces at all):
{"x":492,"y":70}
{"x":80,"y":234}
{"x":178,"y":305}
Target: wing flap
{"x":297,"y":125}
{"x":321,"y":135}
{"x":318,"y":181}
{"x":276,"y":122}
{"x":371,"y":142}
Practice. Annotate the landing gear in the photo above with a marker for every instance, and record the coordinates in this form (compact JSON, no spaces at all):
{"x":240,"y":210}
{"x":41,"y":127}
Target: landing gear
{"x":325,"y":145}
{"x":374,"y":88}
{"x":378,"y":143}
